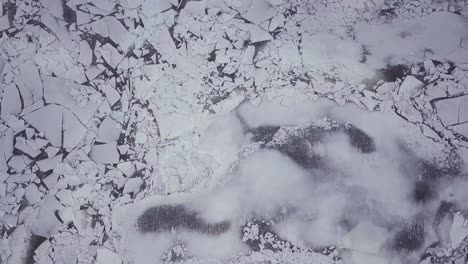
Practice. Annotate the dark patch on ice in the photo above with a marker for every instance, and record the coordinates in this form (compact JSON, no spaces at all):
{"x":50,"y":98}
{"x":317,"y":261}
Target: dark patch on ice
{"x":450,"y":167}
{"x":451,"y":67}
{"x":360,"y":140}
{"x":299,"y":148}
{"x":394,"y":72}
{"x":212,"y":56}
{"x":259,"y":46}
{"x":290,"y":12}
{"x":387,"y":13}
{"x":9,"y":9}
{"x":69,"y":15}
{"x":165,"y":218}
{"x":437,"y":63}
{"x":411,"y":235}
{"x":266,"y":238}
{"x":364,"y":53}
{"x":423,"y":192}
{"x":444,"y":208}
{"x":264,"y":133}
{"x":405,"y":34}
{"x":34,"y":242}
{"x":298,"y":144}
{"x":389,"y":74}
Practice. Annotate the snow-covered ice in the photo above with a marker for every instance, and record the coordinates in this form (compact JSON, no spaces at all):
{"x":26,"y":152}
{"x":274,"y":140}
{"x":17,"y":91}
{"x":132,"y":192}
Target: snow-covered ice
{"x":233,"y":131}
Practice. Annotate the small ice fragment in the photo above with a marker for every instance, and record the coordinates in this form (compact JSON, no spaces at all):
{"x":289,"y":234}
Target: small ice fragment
{"x":410,"y":85}
{"x":11,"y":101}
{"x":49,"y":164}
{"x":111,"y":94}
{"x":86,"y":53}
{"x":55,"y":7}
{"x":67,"y":215}
{"x":459,"y":230}
{"x":247,"y":57}
{"x":133,"y":185}
{"x":259,"y":11}
{"x":153,"y":7}
{"x":47,"y":223}
{"x":195,"y":8}
{"x":32,"y":194}
{"x":105,"y":153}
{"x":49,"y":121}
{"x":258,"y":34}
{"x":109,"y":130}
{"x":30,"y":133}
{"x":140,"y":137}
{"x":127,"y":168}
{"x":73,"y":130}
{"x":151,"y":157}
{"x":27,"y":149}
{"x":105,"y":5}
{"x":51,"y":151}
{"x":19,"y":162}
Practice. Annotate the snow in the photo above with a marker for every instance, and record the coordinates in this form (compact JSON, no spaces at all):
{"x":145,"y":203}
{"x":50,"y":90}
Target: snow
{"x":384,"y":43}
{"x":249,"y":191}
{"x":110,"y":107}
{"x":365,"y":239}
{"x":105,"y":256}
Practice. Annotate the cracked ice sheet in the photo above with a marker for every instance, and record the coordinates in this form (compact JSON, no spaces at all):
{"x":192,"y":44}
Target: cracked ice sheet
{"x":453,"y":111}
{"x":59,"y":125}
{"x":11,"y":101}
{"x":31,"y":79}
{"x":395,"y":43}
{"x":59,"y":91}
{"x":255,"y":11}
{"x":49,"y":121}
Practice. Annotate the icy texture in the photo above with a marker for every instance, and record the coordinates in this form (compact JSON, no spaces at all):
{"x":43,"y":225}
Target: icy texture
{"x":114,"y":106}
